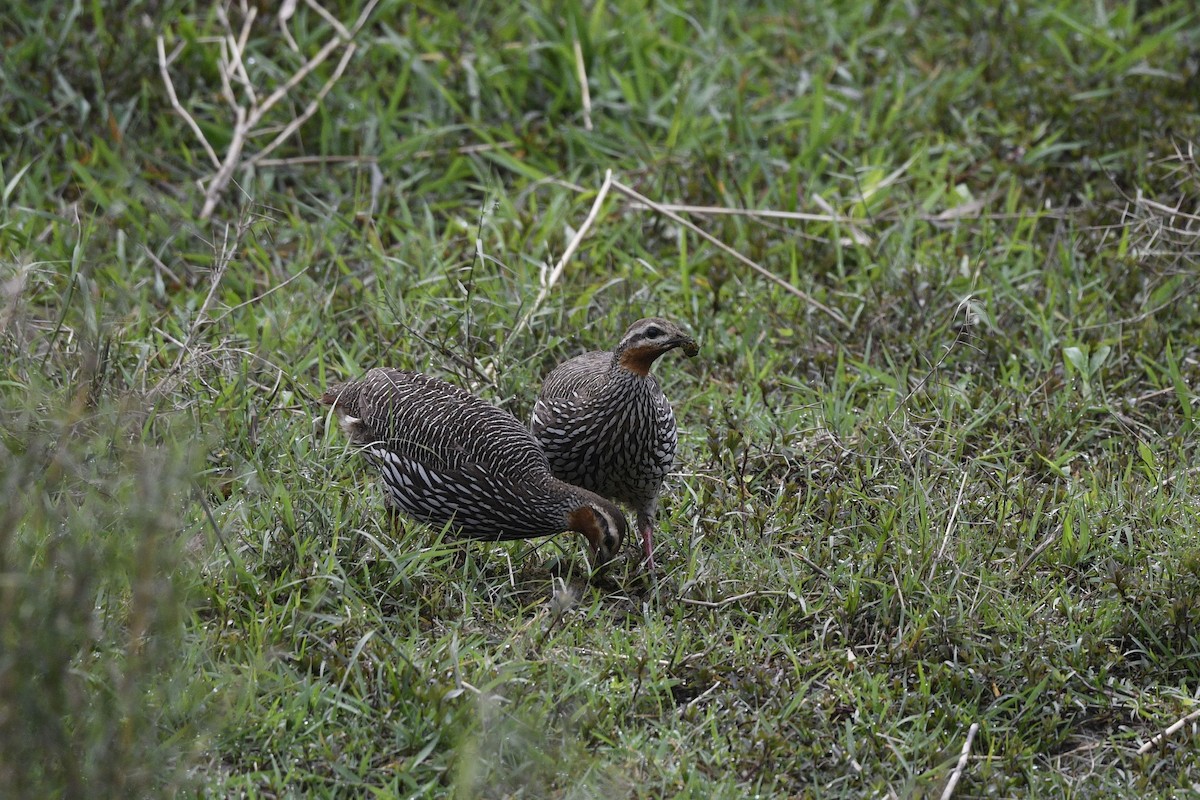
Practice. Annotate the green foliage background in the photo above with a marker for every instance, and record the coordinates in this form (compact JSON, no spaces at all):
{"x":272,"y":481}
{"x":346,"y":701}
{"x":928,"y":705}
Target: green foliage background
{"x":972,"y":499}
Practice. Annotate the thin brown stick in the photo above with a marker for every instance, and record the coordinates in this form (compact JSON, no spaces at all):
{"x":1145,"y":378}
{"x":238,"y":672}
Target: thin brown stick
{"x":161,"y":267}
{"x":287,"y":9}
{"x":227,"y":251}
{"x":223,"y":71}
{"x":962,"y":762}
{"x":807,"y":561}
{"x":466,"y":149}
{"x":1174,"y":727}
{"x":696,"y":700}
{"x":573,"y":245}
{"x":232,"y":158}
{"x":237,"y":47}
{"x":957,"y":213}
{"x":299,"y":161}
{"x":671,"y":215}
{"x":257,"y":114}
{"x":1169,"y":211}
{"x":307,"y":67}
{"x":248,"y":117}
{"x":1042,"y":547}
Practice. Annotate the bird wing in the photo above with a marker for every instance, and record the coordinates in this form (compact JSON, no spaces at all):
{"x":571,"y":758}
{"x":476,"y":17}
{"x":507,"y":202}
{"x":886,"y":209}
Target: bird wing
{"x":435,"y":423}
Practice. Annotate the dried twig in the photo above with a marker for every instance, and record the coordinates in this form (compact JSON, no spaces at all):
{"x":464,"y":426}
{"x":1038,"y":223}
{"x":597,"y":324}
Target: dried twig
{"x":163,"y":63}
{"x":698,"y":698}
{"x":309,"y":110}
{"x":968,"y":211}
{"x":330,"y":18}
{"x":258,"y":111}
{"x":287,"y":10}
{"x":1174,"y":727}
{"x":261,"y":295}
{"x":226,"y":255}
{"x":466,"y":149}
{"x":299,"y":161}
{"x":237,"y":47}
{"x":249,"y":113}
{"x":1169,"y":211}
{"x":232,"y":159}
{"x":573,"y":245}
{"x":962,"y":762}
{"x":161,"y":267}
{"x":671,"y":215}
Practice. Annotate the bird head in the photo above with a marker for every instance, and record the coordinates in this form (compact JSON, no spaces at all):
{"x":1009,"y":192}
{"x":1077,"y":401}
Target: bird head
{"x":602,"y":524}
{"x":649,"y":338}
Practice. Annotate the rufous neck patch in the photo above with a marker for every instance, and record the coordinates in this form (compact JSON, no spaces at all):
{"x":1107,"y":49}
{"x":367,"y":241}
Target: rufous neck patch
{"x":639,"y":359}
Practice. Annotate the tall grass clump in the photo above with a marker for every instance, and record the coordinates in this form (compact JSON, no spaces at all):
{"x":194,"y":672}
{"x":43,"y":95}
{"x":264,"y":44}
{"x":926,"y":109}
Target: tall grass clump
{"x":93,"y":602}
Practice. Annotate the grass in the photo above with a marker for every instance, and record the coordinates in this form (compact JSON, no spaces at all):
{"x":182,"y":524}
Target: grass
{"x":974,"y":502}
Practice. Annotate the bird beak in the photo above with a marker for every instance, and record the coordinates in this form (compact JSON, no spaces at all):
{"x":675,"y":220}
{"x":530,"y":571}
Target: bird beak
{"x":601,"y":561}
{"x":689,"y":346}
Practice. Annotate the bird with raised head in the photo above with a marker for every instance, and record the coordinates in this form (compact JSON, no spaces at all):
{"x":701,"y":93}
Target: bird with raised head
{"x":449,"y":458}
{"x":605,"y":424}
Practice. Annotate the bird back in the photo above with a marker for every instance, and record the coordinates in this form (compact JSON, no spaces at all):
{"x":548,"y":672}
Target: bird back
{"x":579,"y":376}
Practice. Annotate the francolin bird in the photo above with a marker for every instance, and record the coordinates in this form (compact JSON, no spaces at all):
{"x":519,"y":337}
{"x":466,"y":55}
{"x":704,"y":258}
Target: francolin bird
{"x":605,"y":424}
{"x":447,"y":457}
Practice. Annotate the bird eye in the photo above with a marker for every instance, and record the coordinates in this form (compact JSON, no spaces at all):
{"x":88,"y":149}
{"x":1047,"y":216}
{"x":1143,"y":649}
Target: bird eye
{"x":653,"y":332}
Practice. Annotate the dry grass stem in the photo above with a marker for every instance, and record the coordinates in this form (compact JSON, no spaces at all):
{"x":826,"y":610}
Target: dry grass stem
{"x":962,"y":762}
{"x":962,"y":487}
{"x":647,"y":202}
{"x":552,"y":278}
{"x":581,"y":71}
{"x":764,"y":213}
{"x":1170,"y":731}
{"x":728,"y":601}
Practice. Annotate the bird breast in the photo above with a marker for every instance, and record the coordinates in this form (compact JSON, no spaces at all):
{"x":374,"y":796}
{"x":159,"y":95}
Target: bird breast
{"x":619,"y":442}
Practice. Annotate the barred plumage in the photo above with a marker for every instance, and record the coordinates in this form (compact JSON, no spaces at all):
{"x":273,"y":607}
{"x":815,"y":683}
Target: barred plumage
{"x":448,"y":457}
{"x":605,"y":424}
